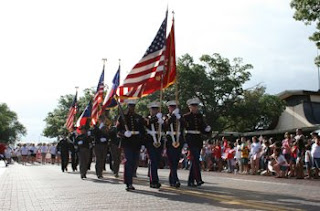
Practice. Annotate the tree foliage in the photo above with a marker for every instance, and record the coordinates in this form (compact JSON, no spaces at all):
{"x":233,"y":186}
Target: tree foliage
{"x":10,"y":128}
{"x":56,"y":119}
{"x":216,"y":81}
{"x":308,"y":11}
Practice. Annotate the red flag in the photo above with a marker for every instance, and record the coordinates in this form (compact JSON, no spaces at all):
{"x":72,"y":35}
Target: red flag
{"x":170,"y":73}
{"x":72,"y":112}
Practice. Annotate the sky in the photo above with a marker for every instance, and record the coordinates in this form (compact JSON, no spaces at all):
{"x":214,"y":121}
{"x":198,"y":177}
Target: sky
{"x":47,"y":48}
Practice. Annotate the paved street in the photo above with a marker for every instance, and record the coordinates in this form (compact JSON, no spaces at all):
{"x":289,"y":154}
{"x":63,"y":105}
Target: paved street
{"x":45,"y":187}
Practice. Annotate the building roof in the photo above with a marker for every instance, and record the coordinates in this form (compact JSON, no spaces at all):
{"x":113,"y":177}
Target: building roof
{"x":288,"y":93}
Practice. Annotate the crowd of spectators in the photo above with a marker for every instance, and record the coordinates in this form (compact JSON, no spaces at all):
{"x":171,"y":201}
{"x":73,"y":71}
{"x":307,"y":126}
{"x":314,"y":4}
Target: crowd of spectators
{"x":294,"y":156}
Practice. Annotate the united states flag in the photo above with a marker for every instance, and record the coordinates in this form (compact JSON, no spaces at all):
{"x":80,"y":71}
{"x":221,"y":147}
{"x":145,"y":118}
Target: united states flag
{"x":98,"y":98}
{"x":71,"y":114}
{"x":150,"y":66}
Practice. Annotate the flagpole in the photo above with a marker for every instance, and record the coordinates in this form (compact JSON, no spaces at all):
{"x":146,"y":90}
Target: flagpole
{"x":76,"y":87}
{"x":117,"y":98}
{"x":157,"y":145}
{"x":104,"y":60}
{"x":318,"y":65}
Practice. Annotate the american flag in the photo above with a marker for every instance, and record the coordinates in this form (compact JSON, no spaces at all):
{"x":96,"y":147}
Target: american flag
{"x":150,"y":66}
{"x":72,"y":113}
{"x":98,"y":98}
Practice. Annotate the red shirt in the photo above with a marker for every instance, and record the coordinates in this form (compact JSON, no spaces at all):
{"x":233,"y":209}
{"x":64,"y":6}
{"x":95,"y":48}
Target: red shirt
{"x":294,"y":151}
{"x":217,"y":152}
{"x":229,"y":153}
{"x":2,"y":148}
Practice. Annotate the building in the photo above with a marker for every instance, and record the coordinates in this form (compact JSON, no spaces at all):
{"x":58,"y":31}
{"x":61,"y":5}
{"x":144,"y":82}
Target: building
{"x":302,"y":111}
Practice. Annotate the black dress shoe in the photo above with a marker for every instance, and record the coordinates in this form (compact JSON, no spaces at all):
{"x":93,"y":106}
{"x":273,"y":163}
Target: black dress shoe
{"x":158,"y":185}
{"x":200,"y":183}
{"x":155,"y":185}
{"x":100,"y":177}
{"x":177,"y":185}
{"x":130,"y":187}
{"x":191,"y":185}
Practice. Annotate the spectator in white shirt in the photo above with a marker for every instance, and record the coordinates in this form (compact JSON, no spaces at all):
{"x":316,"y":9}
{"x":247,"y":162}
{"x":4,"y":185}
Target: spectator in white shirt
{"x":281,"y":165}
{"x":24,"y":153}
{"x":53,"y":152}
{"x":255,"y":155}
{"x":33,"y":150}
{"x":44,"y":151}
{"x":315,"y":153}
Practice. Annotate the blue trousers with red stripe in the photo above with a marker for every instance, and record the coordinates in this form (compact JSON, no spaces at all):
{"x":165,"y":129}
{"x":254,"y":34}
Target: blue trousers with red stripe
{"x":131,"y":155}
{"x":194,"y":173}
{"x":173,"y":158}
{"x":155,"y":157}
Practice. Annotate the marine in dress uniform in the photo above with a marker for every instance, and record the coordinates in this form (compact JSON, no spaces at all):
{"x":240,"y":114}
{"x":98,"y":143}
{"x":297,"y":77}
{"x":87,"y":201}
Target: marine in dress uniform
{"x":101,"y":145}
{"x":63,"y":147}
{"x":154,"y":125}
{"x":131,"y":130}
{"x":114,"y":143}
{"x":83,"y":142}
{"x":74,"y":150}
{"x":174,"y":134}
{"x":194,"y":127}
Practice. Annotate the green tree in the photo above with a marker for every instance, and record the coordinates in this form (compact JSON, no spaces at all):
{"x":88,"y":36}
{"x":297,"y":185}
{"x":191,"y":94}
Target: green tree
{"x":256,"y":110}
{"x":56,"y":119}
{"x":308,"y":11}
{"x":218,"y":83}
{"x":10,"y":128}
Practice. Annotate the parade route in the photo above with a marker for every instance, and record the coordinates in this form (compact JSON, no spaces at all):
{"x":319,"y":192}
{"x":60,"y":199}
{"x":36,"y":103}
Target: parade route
{"x":45,"y":187}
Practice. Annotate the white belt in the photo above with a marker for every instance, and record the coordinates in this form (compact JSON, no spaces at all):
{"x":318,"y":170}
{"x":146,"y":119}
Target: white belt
{"x":150,"y":132}
{"x":193,"y":132}
{"x":171,"y":133}
{"x":135,"y":132}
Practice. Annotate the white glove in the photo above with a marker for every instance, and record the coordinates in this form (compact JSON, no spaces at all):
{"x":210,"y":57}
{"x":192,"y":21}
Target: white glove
{"x":160,"y":121}
{"x":178,"y":116}
{"x":101,"y":125}
{"x":89,"y":133}
{"x":208,"y":128}
{"x":176,"y":111}
{"x":127,"y":134}
{"x":159,"y":115}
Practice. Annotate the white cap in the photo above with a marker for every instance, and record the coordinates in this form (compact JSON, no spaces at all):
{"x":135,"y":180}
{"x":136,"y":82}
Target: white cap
{"x":130,"y":101}
{"x":171,"y":103}
{"x":194,"y":101}
{"x":154,"y":105}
